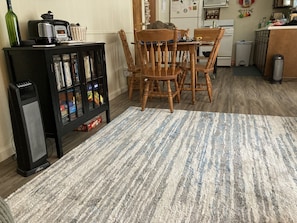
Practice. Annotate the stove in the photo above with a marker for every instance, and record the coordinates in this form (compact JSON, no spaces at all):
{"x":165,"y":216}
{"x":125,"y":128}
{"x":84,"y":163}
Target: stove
{"x":225,"y":52}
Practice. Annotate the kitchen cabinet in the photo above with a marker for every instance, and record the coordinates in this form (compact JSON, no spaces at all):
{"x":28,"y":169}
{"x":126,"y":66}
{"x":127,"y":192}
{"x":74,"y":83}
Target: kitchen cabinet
{"x":282,"y":3}
{"x":260,"y":50}
{"x":281,"y":40}
{"x":71,"y":82}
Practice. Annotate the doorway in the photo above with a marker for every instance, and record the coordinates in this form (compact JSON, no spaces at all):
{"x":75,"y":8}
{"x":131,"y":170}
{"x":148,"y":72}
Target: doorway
{"x":137,"y":12}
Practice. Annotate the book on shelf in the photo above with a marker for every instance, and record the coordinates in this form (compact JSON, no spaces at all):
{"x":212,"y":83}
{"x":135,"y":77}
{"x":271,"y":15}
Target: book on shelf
{"x":62,"y":75}
{"x":57,"y":70}
{"x":64,"y":112}
{"x":74,"y":68}
{"x":92,"y":65}
{"x":87,"y":67}
{"x":67,"y":71}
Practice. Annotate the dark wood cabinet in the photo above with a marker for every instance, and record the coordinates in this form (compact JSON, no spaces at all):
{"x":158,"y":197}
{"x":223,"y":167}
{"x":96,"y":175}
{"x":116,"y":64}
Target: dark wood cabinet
{"x":282,"y":3}
{"x":71,"y":83}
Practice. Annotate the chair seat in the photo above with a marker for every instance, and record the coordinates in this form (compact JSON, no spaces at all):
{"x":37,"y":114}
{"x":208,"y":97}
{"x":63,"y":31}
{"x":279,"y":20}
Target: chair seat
{"x":164,"y":75}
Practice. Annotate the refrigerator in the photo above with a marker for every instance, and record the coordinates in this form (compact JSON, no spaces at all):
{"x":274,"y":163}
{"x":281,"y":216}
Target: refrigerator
{"x":186,"y":14}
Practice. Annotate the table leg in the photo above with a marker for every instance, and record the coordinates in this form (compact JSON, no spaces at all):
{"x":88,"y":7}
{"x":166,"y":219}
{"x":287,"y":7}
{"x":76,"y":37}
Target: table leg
{"x":192,"y":63}
{"x":141,"y":86}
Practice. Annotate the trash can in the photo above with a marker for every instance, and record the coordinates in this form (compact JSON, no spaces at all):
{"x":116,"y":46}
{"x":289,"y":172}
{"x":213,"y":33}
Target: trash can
{"x":278,"y":67}
{"x":243,"y":52}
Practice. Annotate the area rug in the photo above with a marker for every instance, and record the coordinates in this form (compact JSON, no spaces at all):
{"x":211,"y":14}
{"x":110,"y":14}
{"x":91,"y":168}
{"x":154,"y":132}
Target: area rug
{"x":154,"y":166}
{"x":246,"y":71}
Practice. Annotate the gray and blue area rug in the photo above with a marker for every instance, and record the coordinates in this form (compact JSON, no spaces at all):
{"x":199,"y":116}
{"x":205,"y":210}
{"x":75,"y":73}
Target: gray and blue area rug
{"x":154,"y":166}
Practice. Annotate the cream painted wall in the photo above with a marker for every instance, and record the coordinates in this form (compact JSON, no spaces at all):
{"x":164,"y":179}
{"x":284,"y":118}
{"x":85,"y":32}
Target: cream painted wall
{"x":244,"y":27}
{"x":103,"y":20}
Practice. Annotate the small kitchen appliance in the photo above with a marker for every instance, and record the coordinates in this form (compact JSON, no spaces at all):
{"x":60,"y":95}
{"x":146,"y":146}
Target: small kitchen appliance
{"x":49,"y":31}
{"x":225,"y":52}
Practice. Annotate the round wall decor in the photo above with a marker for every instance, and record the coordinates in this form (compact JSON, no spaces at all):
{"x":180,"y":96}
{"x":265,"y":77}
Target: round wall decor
{"x":246,"y":3}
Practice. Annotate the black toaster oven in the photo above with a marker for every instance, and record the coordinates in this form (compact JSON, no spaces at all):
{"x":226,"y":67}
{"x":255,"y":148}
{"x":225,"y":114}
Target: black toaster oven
{"x":49,"y":31}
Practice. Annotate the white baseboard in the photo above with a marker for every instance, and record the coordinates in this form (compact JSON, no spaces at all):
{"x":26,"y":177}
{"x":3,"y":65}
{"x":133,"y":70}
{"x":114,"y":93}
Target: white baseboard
{"x":118,"y":92}
{"x":6,"y":152}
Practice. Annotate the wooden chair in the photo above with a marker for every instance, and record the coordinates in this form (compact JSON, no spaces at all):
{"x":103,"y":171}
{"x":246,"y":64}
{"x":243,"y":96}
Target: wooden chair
{"x":157,"y":49}
{"x":182,"y":55}
{"x":134,"y":77}
{"x":183,"y":33}
{"x":208,"y":35}
{"x":197,"y":33}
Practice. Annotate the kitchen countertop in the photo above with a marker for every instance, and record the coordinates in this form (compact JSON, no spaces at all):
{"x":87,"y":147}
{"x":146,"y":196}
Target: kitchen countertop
{"x":277,"y":27}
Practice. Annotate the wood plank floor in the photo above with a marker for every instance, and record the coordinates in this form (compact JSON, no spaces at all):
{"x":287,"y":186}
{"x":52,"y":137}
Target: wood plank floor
{"x":231,"y":94}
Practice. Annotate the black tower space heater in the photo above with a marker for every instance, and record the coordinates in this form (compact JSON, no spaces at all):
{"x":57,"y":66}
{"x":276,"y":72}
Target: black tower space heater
{"x":28,"y":131}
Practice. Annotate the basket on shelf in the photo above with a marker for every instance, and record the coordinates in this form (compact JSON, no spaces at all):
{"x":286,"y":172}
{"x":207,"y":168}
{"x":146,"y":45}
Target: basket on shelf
{"x":78,"y":33}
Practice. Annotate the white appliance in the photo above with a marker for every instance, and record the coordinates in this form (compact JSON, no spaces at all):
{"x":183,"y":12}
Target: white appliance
{"x":186,"y":14}
{"x":215,"y":3}
{"x":225,"y":52}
